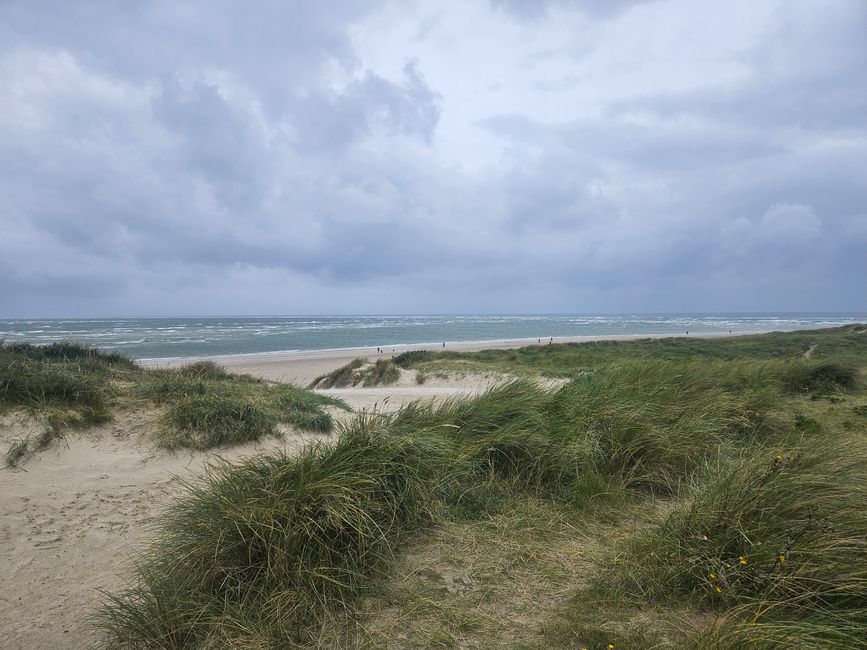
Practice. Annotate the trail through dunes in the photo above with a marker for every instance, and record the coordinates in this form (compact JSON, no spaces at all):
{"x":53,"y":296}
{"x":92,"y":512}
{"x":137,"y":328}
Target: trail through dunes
{"x":75,"y":515}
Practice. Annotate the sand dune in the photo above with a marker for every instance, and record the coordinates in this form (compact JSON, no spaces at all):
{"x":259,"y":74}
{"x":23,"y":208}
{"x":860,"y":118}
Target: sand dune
{"x":73,"y":517}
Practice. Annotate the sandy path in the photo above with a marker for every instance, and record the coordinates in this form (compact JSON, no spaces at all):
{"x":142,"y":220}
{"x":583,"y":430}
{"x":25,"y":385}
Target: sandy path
{"x":72,"y":518}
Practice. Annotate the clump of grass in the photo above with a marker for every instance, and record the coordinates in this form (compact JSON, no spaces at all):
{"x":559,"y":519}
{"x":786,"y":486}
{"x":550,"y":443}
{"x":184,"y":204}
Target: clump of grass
{"x":65,"y":385}
{"x":420,"y":377}
{"x":778,"y":542}
{"x":343,"y":376}
{"x":407,"y":360}
{"x":165,"y":386}
{"x":359,"y":371}
{"x":18,"y":452}
{"x":55,"y":422}
{"x":66,"y":351}
{"x":382,"y":371}
{"x":825,"y":376}
{"x":36,"y":383}
{"x":208,"y":407}
{"x":214,"y":420}
{"x":205,"y":370}
{"x":643,"y":425}
{"x":261,"y":553}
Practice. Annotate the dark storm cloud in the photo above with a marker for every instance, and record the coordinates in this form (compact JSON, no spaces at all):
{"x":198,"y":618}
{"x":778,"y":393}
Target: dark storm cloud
{"x":177,"y":157}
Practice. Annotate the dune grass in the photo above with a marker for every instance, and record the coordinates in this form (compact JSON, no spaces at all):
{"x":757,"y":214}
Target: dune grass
{"x":262,"y":553}
{"x":776,"y":541}
{"x":63,"y":385}
{"x":840,"y":344}
{"x":208,"y":407}
{"x":359,"y":372}
{"x":281,"y":551}
{"x":66,"y":385}
{"x":671,"y":494}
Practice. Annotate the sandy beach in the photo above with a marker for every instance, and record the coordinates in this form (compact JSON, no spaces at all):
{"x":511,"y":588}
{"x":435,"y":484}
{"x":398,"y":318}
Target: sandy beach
{"x":301,"y":367}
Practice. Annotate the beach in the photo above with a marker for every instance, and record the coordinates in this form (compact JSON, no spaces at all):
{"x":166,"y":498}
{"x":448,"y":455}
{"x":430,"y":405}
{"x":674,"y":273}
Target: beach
{"x":301,"y":367}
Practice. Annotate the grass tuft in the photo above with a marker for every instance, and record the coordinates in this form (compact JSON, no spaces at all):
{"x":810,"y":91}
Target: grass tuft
{"x":263,"y":552}
{"x":359,"y":371}
{"x":778,"y":541}
{"x":213,"y":420}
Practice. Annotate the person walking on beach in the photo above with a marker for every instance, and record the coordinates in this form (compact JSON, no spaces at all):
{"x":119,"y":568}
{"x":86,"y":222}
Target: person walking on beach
{"x":444,"y":344}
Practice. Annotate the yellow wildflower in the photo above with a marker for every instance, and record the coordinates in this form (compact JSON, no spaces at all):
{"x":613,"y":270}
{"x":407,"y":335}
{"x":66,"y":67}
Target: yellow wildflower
{"x":782,"y":557}
{"x":758,"y":414}
{"x":718,"y":590}
{"x":742,"y":560}
{"x":610,"y":646}
{"x":778,"y":458}
{"x":712,"y":575}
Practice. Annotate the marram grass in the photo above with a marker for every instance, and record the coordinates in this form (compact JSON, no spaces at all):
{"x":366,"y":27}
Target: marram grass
{"x":262,"y":553}
{"x":359,"y":372}
{"x":777,"y":541}
{"x":66,"y":385}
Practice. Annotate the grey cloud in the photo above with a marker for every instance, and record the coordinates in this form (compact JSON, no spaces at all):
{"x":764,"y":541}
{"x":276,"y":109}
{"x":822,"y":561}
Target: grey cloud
{"x":806,"y":74}
{"x":160,"y":157}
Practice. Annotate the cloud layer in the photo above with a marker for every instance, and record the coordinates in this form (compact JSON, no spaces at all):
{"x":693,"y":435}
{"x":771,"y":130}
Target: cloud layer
{"x":172,"y":158}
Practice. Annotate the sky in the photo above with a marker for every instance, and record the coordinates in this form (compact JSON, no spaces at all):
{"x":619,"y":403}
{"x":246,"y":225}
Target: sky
{"x":174,"y":158}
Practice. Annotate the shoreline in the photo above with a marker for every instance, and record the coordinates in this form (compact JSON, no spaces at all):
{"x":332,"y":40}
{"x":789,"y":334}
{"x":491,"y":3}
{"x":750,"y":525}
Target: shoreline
{"x":302,"y":366}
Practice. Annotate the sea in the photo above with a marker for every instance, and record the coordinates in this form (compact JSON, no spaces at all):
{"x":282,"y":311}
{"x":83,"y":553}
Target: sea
{"x":163,"y":338}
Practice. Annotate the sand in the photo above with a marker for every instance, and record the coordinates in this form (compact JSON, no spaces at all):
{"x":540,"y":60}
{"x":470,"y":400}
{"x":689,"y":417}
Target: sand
{"x":303,"y":366}
{"x":73,"y":517}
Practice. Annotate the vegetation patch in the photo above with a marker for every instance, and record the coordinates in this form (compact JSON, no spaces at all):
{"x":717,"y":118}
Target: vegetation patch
{"x":670,"y":494}
{"x":261,"y":554}
{"x":776,"y":540}
{"x":66,"y":386}
{"x":359,"y":372}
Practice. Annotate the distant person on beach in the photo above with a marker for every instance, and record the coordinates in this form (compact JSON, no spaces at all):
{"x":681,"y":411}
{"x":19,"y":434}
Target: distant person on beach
{"x":444,"y":344}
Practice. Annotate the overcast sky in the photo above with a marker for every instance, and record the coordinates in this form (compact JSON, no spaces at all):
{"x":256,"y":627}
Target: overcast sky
{"x":193,"y":158}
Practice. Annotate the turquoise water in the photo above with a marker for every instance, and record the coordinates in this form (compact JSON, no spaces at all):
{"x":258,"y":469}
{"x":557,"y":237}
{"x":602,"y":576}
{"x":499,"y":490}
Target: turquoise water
{"x":181,"y":337}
